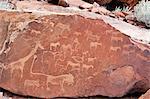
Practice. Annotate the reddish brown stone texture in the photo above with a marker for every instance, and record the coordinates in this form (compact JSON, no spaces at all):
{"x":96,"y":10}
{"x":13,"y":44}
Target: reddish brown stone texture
{"x":146,"y":95}
{"x":56,"y":56}
{"x":130,"y":2}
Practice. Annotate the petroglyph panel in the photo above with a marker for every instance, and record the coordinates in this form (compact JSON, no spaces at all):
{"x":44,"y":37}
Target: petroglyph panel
{"x":60,"y":55}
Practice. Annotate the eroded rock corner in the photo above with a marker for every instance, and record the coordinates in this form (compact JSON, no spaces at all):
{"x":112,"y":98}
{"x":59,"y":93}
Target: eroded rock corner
{"x":69,"y":56}
{"x":146,"y":95}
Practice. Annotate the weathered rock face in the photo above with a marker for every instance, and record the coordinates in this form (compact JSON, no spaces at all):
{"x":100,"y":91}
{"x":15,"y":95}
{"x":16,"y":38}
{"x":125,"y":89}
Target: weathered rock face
{"x":130,"y":3}
{"x":62,"y":55}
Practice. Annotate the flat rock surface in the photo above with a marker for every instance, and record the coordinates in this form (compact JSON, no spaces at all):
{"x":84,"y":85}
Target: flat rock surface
{"x":69,"y":56}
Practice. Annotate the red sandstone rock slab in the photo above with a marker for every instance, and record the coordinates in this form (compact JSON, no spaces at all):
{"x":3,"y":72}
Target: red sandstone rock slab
{"x":69,"y":56}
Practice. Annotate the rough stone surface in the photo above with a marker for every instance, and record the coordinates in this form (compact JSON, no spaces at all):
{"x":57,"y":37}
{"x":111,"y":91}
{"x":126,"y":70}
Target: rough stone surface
{"x":129,"y":2}
{"x":69,"y":56}
{"x":146,"y":95}
{"x":76,"y":3}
